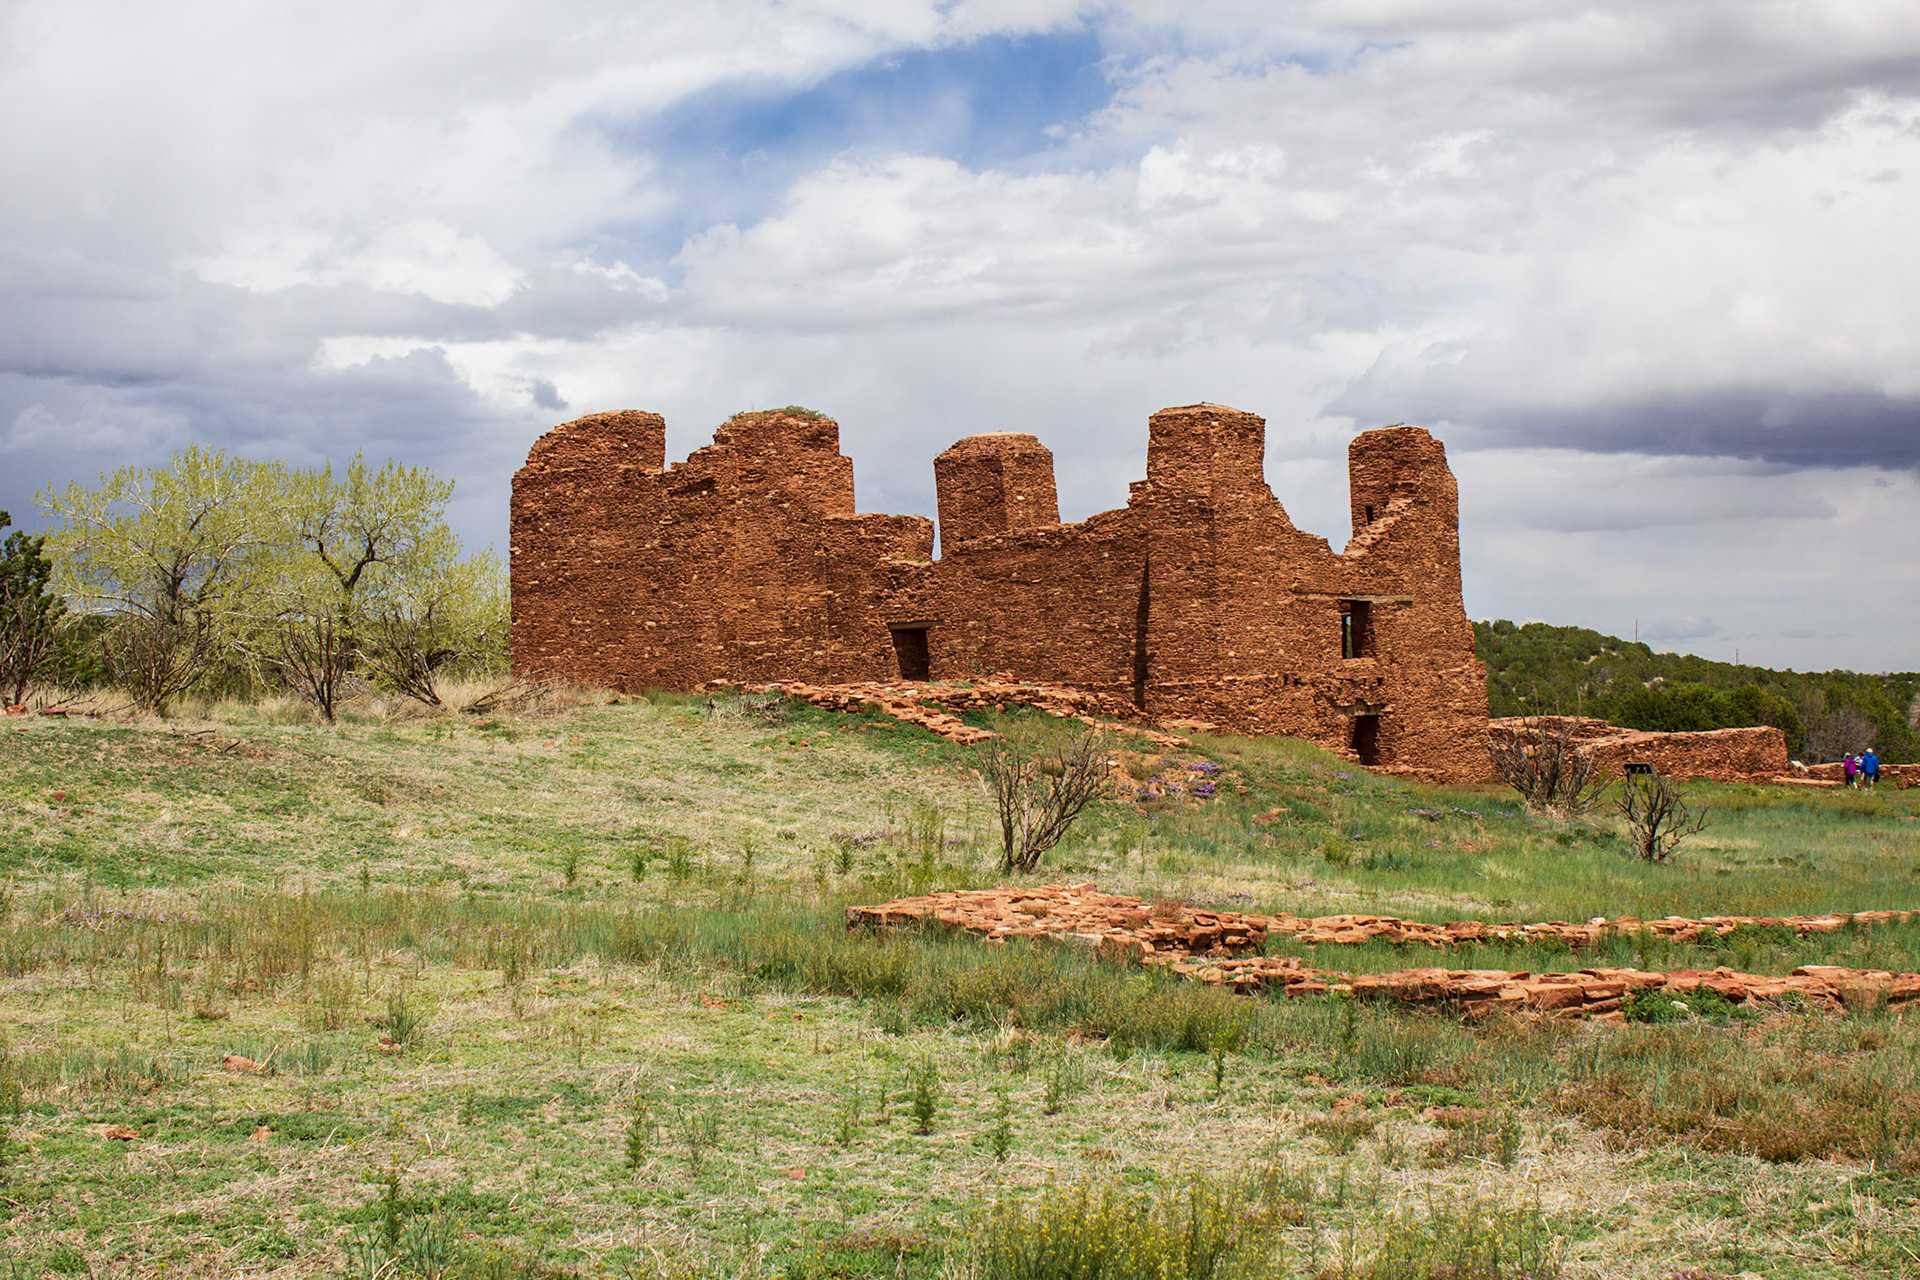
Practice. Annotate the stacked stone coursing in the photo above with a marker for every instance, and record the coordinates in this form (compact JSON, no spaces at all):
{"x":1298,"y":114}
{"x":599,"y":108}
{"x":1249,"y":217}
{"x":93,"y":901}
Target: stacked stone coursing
{"x":1589,"y":993}
{"x":747,"y":561}
{"x":1756,"y":754}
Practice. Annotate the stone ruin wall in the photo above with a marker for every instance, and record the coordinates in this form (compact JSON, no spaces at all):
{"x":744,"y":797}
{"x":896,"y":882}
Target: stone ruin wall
{"x":1223,"y":947}
{"x":1757,"y":754}
{"x":745,"y":561}
{"x":1198,"y":600}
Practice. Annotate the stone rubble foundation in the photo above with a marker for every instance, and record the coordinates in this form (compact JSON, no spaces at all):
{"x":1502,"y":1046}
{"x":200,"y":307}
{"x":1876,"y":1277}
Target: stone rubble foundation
{"x":1212,"y":946}
{"x":904,"y":701}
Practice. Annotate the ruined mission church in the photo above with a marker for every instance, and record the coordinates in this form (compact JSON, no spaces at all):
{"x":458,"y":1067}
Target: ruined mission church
{"x":1197,"y":600}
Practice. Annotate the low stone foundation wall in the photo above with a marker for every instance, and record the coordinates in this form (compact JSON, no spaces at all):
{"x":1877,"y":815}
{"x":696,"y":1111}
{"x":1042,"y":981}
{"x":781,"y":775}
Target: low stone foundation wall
{"x":1590,"y":993}
{"x":1758,"y":754}
{"x":1898,"y":776}
{"x":1211,"y":946}
{"x":1082,"y":913}
{"x":908,"y":702}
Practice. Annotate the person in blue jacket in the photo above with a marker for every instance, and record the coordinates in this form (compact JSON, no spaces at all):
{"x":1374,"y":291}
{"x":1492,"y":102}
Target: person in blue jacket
{"x":1869,"y":769}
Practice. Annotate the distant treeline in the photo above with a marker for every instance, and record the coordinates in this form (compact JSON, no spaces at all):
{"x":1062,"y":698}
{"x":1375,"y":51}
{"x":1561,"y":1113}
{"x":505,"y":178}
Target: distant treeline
{"x":1539,"y":669}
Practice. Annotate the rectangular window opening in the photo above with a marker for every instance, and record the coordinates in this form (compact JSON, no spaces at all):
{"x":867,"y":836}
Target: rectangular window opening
{"x":1369,"y":515}
{"x":1366,"y":739}
{"x":1356,"y":629}
{"x":910,"y":651}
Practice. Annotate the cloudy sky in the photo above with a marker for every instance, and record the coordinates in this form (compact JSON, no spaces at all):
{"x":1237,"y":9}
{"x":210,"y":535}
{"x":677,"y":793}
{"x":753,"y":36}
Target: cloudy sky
{"x":1649,"y":268}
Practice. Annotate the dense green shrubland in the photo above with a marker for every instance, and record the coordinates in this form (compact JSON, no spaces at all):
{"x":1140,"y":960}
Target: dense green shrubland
{"x":1539,"y":669}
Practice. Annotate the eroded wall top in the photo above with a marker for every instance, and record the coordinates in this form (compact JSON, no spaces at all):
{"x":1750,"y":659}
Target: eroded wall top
{"x":996,"y":482}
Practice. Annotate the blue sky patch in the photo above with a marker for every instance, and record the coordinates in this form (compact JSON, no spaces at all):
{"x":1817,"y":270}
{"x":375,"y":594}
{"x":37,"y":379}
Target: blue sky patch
{"x":730,"y":153}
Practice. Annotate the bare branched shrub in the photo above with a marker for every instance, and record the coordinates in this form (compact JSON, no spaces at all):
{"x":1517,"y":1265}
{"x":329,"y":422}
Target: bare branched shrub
{"x":421,"y":630}
{"x":1658,"y":818}
{"x":1543,"y":762}
{"x":156,"y":658}
{"x":520,"y":697}
{"x":1039,"y":791}
{"x":1834,"y":732}
{"x":27,"y":641}
{"x":313,"y":652}
{"x":405,"y":654}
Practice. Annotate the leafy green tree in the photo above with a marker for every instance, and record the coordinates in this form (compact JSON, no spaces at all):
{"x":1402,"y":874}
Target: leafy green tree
{"x":320,"y":579}
{"x":423,"y":625}
{"x":30,"y":613}
{"x":351,"y":547}
{"x":170,"y":553}
{"x":174,"y":541}
{"x":1750,"y":704}
{"x":391,"y":521}
{"x":1686,"y":708}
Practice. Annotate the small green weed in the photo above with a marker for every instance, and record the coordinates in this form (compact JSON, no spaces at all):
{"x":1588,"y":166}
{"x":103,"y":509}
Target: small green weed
{"x":1196,"y":1230}
{"x":1654,"y":1007}
{"x":1066,"y":1076}
{"x":1398,"y":1048}
{"x":1457,"y":1240}
{"x":679,"y":859}
{"x":405,"y":1021}
{"x":638,"y":1140}
{"x":847,"y":1123}
{"x":699,"y":1135}
{"x":1000,"y":1138}
{"x":923,"y":1080}
{"x":65,"y":1260}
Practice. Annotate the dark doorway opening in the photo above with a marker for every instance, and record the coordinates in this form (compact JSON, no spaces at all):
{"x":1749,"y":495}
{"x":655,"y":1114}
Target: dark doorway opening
{"x":1366,"y":739}
{"x":1140,"y":636}
{"x":1356,"y":629}
{"x":910,"y":650}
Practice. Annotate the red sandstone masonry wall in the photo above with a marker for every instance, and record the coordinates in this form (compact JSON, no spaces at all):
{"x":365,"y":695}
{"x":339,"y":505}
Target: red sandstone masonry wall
{"x":1241,"y":622}
{"x":1757,"y":754}
{"x":1055,"y":605}
{"x":744,"y":562}
{"x":1418,"y":673}
{"x":994,"y":483}
{"x":1199,"y":599}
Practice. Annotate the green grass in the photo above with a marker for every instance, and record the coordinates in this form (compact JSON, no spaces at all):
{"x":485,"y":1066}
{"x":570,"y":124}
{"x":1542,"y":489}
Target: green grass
{"x":631,"y":1036}
{"x":706,"y":802}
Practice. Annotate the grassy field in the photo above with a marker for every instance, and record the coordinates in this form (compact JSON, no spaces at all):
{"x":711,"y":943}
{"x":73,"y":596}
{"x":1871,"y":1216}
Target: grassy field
{"x":564,"y":993}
